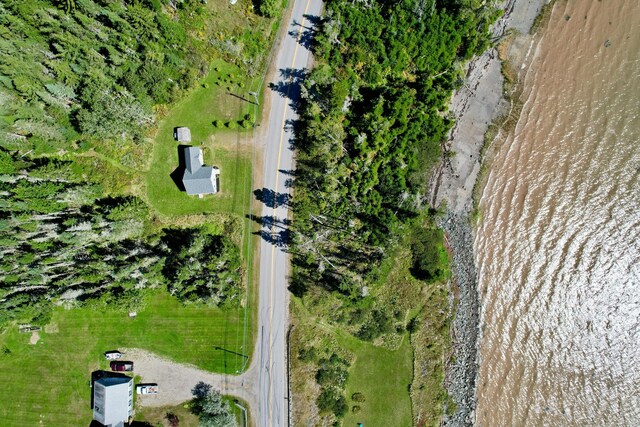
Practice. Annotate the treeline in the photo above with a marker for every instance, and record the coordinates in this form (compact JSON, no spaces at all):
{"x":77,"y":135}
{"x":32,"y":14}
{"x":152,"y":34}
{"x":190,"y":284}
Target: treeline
{"x":62,"y":239}
{"x":373,"y":117}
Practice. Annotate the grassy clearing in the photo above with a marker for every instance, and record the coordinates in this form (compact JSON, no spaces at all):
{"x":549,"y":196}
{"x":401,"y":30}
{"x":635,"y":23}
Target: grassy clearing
{"x":209,"y":103}
{"x":431,"y":344}
{"x":51,"y":377}
{"x":383,"y":377}
{"x":157,"y":416}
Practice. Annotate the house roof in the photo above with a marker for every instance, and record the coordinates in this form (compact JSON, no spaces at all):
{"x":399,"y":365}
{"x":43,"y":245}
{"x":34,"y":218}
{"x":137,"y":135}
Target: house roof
{"x":183,"y":134}
{"x":197,"y":178}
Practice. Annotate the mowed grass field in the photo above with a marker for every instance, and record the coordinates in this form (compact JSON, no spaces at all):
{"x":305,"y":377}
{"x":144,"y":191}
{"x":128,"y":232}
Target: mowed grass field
{"x":48,"y":383}
{"x":383,"y":377}
{"x":216,"y":99}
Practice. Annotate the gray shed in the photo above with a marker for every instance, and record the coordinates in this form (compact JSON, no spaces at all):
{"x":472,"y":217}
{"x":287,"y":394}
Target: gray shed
{"x":198,"y":179}
{"x":113,"y":401}
{"x":182,"y":134}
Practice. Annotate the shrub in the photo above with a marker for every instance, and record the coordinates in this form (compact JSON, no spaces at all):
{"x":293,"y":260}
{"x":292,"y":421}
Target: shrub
{"x":330,"y":401}
{"x":428,"y":255}
{"x":358,"y":397}
{"x":269,"y":8}
{"x":307,"y":354}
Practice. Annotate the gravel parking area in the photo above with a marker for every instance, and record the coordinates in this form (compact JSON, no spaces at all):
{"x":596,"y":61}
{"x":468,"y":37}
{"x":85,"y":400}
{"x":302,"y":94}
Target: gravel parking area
{"x":175,"y":380}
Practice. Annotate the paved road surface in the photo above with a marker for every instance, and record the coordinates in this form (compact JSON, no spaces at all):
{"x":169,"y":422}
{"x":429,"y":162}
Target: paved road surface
{"x":291,"y":62}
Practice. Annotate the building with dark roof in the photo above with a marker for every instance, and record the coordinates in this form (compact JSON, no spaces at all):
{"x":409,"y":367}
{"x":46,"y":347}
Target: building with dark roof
{"x":113,"y":400}
{"x":198,"y":178}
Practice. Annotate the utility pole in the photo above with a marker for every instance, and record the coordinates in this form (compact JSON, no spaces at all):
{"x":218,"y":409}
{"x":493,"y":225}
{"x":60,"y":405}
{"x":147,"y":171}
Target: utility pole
{"x":255,"y":96}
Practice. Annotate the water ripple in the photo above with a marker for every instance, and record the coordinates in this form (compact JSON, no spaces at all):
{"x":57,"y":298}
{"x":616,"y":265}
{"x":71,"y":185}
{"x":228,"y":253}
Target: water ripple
{"x":558,"y":250}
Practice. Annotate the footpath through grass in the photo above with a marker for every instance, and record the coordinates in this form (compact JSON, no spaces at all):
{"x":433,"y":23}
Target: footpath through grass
{"x":51,"y":377}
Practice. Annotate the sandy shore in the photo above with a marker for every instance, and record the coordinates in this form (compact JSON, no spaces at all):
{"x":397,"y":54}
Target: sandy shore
{"x":476,"y":105}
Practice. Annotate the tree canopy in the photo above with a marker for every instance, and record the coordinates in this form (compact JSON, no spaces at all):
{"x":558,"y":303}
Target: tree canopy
{"x":211,"y":408}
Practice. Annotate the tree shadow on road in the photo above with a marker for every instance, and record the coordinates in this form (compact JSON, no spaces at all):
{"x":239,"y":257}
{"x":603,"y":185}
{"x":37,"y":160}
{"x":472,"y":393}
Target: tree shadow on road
{"x":290,"y":85}
{"x":279,"y":238}
{"x":271,"y":198}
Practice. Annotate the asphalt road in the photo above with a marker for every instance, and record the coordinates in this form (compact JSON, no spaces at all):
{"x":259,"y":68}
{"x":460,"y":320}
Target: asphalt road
{"x":291,"y":62}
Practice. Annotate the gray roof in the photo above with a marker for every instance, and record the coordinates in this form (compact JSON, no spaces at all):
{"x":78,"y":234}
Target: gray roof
{"x":197,"y":178}
{"x":183,"y":134}
{"x":113,"y":400}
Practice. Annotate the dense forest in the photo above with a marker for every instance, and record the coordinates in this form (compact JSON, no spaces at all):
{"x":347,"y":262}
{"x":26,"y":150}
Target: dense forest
{"x":83,"y":77}
{"x":373,"y":120}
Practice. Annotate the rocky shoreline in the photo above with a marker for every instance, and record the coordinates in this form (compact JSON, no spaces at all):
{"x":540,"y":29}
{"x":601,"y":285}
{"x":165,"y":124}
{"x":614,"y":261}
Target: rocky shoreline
{"x":475,"y":106}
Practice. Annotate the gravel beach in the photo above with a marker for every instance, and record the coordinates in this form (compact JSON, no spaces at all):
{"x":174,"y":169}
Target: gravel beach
{"x":475,"y":105}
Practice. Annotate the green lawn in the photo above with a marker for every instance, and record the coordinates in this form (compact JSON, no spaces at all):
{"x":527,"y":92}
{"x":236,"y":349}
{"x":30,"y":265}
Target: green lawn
{"x":51,"y":377}
{"x":383,"y":377}
{"x":221,"y":146}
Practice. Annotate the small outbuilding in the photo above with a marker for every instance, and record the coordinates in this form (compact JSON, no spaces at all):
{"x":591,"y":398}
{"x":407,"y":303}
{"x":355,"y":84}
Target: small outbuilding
{"x":198,"y":178}
{"x":113,"y":401}
{"x":182,"y":134}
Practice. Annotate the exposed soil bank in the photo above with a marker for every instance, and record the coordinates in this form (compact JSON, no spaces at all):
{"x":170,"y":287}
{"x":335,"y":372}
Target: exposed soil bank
{"x":476,"y":105}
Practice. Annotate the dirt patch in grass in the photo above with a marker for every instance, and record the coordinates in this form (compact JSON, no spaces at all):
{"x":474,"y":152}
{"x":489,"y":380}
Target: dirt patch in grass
{"x":35,"y":337}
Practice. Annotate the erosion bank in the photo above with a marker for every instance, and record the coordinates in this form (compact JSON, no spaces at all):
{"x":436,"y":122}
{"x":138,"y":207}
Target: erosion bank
{"x":477,"y":104}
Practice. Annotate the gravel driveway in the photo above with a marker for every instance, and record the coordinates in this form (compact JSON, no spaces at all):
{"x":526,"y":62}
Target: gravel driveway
{"x":175,"y":380}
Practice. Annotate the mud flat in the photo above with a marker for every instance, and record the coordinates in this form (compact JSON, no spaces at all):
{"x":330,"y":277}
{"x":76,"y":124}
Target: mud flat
{"x":477,"y":104}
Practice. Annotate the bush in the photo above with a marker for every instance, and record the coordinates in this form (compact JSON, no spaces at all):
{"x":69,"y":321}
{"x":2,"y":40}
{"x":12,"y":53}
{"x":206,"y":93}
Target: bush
{"x":378,"y":324}
{"x":330,"y":401}
{"x":231,"y":125}
{"x":358,"y":397}
{"x":269,"y":8}
{"x":307,"y":354}
{"x":173,"y":419}
{"x":355,"y":409}
{"x":428,"y":255}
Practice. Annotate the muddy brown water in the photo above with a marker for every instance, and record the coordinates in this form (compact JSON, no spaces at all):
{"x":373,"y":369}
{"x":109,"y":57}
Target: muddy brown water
{"x":558,"y":245}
